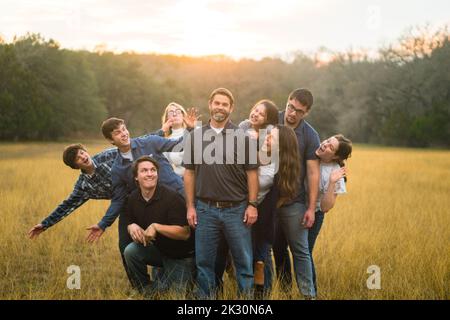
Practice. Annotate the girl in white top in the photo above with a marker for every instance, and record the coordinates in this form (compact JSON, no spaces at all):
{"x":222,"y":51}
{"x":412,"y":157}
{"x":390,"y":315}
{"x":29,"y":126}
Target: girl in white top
{"x":263,"y":114}
{"x":332,"y":153}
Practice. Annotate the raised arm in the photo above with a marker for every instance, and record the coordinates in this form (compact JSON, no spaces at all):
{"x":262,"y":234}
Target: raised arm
{"x":329,"y":198}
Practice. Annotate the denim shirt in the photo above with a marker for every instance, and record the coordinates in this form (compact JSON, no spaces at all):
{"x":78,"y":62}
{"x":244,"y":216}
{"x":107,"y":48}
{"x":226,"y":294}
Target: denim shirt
{"x":122,"y":176}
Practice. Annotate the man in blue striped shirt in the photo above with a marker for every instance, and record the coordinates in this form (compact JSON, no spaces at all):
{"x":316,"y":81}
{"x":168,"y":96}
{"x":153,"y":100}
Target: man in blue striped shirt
{"x":94,"y":182}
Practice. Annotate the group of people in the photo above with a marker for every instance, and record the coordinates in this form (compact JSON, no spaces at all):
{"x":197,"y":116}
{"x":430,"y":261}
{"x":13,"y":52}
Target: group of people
{"x":193,"y":200}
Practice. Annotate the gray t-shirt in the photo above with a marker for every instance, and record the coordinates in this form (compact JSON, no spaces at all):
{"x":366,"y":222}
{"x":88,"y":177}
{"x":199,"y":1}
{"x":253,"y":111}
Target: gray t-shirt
{"x":220,"y":161}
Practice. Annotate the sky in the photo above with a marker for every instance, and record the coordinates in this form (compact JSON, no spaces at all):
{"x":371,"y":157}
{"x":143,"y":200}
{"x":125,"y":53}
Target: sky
{"x":239,"y":29}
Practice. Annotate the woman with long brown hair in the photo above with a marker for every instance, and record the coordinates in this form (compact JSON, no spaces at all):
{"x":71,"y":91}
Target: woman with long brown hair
{"x":279,"y":173}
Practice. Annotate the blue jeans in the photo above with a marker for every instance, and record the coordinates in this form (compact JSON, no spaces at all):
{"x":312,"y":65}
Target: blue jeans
{"x":289,"y":219}
{"x":212,"y":225}
{"x":124,"y":241}
{"x":312,"y":236}
{"x":176,"y":274}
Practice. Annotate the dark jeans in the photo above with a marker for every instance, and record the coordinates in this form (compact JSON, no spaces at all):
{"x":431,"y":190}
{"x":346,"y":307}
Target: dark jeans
{"x":176,"y":274}
{"x":281,"y":255}
{"x":124,"y":241}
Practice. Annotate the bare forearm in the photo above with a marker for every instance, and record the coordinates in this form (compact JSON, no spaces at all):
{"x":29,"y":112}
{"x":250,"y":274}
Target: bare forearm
{"x":313,"y":171}
{"x":329,"y":198}
{"x":253,"y":184}
{"x":173,"y":232}
{"x":189,"y":187}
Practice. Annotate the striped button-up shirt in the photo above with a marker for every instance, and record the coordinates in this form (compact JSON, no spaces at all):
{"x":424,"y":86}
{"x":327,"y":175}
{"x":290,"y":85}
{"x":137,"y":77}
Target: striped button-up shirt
{"x":95,"y":186}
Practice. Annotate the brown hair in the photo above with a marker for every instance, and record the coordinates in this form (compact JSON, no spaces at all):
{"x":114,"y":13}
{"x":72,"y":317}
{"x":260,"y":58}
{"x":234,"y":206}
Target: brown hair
{"x":70,"y":154}
{"x":109,"y":125}
{"x":304,"y":96}
{"x":289,"y":166}
{"x":164,"y":116}
{"x":271,"y":111}
{"x":135,"y":166}
{"x":224,"y":92}
{"x":344,"y":150}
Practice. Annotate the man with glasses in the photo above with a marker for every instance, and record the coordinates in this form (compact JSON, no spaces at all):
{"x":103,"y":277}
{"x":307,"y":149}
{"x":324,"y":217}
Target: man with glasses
{"x":296,"y":217}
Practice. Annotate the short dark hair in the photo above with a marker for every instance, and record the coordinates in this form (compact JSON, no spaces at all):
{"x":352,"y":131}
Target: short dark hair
{"x":109,"y":125}
{"x":224,"y":92}
{"x":70,"y":154}
{"x":304,"y":96}
{"x":136,"y":163}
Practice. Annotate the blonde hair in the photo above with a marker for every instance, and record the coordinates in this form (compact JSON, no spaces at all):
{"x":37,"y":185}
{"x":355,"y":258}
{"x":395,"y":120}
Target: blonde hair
{"x":164,"y":115}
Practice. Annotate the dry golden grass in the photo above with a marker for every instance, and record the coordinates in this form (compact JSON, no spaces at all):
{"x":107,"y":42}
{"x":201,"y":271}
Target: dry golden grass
{"x":395,"y":215}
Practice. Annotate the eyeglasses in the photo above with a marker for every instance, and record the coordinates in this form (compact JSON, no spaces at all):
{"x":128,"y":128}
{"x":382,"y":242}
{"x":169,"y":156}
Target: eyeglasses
{"x":291,"y":108}
{"x":172,"y":113}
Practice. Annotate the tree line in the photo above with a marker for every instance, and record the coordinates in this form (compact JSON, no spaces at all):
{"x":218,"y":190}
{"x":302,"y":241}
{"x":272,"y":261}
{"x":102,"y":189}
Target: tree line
{"x":399,"y":97}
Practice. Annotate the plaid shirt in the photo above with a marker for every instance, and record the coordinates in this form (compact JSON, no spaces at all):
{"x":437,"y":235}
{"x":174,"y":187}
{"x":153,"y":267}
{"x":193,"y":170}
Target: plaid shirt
{"x":96,"y":186}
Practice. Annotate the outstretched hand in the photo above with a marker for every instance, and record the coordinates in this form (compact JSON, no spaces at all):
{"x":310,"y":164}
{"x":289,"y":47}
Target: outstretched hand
{"x":36,"y":231}
{"x":191,"y":117}
{"x":94,"y":234}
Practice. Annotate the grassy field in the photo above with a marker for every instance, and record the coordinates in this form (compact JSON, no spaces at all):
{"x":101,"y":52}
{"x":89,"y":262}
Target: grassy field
{"x":395,"y":216}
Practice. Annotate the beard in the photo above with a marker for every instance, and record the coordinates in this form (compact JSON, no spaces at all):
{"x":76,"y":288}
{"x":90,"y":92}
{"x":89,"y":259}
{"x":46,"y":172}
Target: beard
{"x":219,"y":116}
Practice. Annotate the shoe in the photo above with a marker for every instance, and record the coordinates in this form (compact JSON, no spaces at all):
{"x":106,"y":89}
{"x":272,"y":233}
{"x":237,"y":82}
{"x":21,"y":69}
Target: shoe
{"x":259,"y":273}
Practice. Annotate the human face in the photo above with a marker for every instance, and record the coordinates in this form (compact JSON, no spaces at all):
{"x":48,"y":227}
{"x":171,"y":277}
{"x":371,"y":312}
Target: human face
{"x":83,"y":160}
{"x":271,"y":141}
{"x":327,"y":150}
{"x":258,"y":116}
{"x":120,"y":137}
{"x":295,"y":112}
{"x":220,"y":108}
{"x":147,"y":175}
{"x":176,"y":115}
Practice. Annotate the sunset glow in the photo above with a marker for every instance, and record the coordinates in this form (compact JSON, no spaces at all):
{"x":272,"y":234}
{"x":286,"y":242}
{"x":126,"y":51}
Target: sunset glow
{"x":234,"y":28}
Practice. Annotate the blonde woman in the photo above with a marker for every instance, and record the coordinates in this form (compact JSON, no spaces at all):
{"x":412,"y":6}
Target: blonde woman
{"x":175,"y":122}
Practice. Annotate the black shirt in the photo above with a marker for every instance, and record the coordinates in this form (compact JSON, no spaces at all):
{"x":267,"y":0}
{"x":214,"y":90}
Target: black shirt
{"x":165,"y":207}
{"x":221,"y":177}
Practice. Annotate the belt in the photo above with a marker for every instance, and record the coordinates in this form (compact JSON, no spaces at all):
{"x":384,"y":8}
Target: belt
{"x":221,"y":204}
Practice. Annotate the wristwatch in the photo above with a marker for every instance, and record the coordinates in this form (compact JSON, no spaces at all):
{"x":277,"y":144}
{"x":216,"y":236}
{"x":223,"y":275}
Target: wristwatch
{"x":252,"y":203}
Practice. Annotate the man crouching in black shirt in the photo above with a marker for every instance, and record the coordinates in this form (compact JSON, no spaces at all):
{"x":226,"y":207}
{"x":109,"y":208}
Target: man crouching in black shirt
{"x":162,"y":238}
